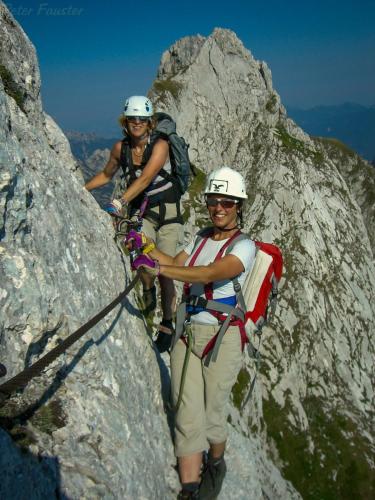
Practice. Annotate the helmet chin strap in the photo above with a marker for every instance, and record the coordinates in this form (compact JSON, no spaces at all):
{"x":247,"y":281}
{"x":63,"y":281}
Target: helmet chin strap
{"x":146,"y":134}
{"x":139,"y":139}
{"x":227,"y":230}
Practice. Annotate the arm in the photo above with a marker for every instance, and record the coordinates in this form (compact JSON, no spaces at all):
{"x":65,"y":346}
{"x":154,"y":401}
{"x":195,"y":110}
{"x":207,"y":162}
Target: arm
{"x":157,"y":160}
{"x":226,"y":268}
{"x":167,"y":260}
{"x":109,"y":170}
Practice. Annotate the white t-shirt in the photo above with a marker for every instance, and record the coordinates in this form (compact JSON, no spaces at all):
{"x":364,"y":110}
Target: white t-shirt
{"x":244,"y":250}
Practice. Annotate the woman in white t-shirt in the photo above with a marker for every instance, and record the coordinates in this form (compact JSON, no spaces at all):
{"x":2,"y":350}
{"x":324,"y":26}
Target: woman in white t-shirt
{"x":200,"y":421}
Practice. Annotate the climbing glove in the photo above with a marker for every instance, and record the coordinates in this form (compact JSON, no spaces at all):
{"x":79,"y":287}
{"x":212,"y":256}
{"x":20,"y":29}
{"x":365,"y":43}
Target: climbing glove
{"x":145,"y":263}
{"x":116,"y":207}
{"x":139,"y":241}
{"x":134,"y":239}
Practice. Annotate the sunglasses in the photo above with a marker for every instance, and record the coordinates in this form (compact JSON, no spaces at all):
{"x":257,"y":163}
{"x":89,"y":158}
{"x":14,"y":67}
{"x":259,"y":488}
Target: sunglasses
{"x":224,"y":202}
{"x":142,"y":119}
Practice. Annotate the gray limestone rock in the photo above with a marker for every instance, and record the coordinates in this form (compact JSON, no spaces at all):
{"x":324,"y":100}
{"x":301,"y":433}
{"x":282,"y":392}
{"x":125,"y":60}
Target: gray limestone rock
{"x":95,"y":425}
{"x":315,"y":200}
{"x":96,"y":412}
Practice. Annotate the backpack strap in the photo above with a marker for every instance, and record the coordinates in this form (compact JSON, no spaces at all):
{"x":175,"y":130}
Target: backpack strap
{"x":208,"y":288}
{"x":158,"y":199}
{"x":234,"y":317}
{"x":126,"y":160}
{"x":181,"y":313}
{"x":226,"y":314}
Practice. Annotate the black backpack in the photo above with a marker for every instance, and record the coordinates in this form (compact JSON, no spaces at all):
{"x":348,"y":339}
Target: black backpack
{"x":178,"y":152}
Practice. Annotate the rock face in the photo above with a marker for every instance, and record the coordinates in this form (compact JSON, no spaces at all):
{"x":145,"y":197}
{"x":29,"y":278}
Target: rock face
{"x":314,"y":404}
{"x":93,"y":425}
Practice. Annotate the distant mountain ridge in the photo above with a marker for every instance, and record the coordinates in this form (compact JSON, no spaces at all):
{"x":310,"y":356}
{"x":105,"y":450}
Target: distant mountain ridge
{"x":351,"y":123}
{"x":83,"y":144}
{"x":96,"y":423}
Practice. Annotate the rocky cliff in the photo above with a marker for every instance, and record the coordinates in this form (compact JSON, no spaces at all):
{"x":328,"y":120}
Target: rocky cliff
{"x":93,"y":425}
{"x":314,"y":406}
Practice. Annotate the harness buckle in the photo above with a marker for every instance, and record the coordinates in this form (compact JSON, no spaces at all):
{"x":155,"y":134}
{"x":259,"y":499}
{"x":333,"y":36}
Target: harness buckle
{"x":197,"y":301}
{"x":186,"y":330}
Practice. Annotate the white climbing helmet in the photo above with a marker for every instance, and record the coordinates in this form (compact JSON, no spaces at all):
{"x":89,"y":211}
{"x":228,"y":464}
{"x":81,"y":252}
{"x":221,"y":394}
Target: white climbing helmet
{"x":138,"y":105}
{"x":226,"y":181}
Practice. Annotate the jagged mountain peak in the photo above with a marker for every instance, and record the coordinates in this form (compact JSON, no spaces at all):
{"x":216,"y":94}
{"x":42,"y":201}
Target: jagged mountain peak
{"x":96,"y":413}
{"x":181,"y":55}
{"x":313,"y":402}
{"x":314,"y":198}
{"x":211,"y":58}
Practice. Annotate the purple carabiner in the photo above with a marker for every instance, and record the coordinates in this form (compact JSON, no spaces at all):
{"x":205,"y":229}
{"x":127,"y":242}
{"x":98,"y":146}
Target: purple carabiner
{"x":143,"y":207}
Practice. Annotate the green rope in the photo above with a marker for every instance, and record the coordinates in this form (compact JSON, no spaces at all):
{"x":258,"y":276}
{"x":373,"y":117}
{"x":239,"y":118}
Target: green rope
{"x":184,"y":368}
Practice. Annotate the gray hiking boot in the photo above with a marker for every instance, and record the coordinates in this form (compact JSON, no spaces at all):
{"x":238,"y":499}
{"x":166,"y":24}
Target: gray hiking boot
{"x":212,"y":478}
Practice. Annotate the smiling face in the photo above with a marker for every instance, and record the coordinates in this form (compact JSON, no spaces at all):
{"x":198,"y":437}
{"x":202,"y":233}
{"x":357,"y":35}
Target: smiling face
{"x":137,"y":126}
{"x":222,"y":211}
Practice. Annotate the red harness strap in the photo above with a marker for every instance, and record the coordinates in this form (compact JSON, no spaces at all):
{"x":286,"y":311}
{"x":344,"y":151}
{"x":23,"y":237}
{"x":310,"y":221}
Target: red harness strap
{"x":208,"y":291}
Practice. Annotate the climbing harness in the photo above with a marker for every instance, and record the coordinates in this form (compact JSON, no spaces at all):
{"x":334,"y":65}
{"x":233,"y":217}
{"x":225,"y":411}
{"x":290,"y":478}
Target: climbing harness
{"x":124,"y":225}
{"x":254,"y":303}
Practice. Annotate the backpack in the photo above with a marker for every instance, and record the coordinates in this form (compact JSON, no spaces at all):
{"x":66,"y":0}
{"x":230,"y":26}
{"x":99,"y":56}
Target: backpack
{"x":178,"y":153}
{"x":255,"y":300}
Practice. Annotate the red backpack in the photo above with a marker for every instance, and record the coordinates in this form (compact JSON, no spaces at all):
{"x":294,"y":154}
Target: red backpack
{"x":255,"y":300}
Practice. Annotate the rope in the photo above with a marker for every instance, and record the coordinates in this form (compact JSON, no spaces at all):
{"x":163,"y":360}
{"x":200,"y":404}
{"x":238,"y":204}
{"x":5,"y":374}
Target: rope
{"x":23,"y":378}
{"x":185,"y":365}
{"x":255,"y":354}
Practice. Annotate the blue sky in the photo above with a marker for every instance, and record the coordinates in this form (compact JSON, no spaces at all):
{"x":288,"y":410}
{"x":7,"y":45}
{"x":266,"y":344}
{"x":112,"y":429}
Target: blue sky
{"x":94,"y":54}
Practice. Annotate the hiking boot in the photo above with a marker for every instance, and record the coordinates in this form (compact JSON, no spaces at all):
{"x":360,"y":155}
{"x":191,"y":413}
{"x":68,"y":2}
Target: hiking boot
{"x":191,"y":491}
{"x":165,"y":335}
{"x":212,"y":478}
{"x":149,"y":300}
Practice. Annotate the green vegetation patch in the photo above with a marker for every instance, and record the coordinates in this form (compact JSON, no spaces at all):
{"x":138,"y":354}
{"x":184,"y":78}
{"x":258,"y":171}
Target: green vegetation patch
{"x":194,"y":203}
{"x":14,"y":417}
{"x":11,"y":87}
{"x":241,"y":388}
{"x":336,"y":144}
{"x":168,"y":85}
{"x":289,"y":142}
{"x":336,"y":466}
{"x":292,"y":144}
{"x":49,"y":417}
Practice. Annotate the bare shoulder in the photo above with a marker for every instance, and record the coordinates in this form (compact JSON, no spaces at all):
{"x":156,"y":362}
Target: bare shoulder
{"x":113,"y":162}
{"x":116,"y":150}
{"x":161,"y":144}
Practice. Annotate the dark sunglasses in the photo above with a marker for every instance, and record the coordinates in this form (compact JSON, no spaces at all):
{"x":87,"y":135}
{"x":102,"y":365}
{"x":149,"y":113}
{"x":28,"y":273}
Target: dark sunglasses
{"x":224,"y":202}
{"x":142,"y":119}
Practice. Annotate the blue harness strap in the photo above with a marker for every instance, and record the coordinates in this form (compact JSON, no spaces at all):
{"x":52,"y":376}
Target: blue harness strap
{"x":232,"y":301}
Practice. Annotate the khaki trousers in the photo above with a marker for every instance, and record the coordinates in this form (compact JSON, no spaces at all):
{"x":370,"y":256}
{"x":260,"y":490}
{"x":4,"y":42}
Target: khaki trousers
{"x":202,"y":416}
{"x":168,"y":237}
